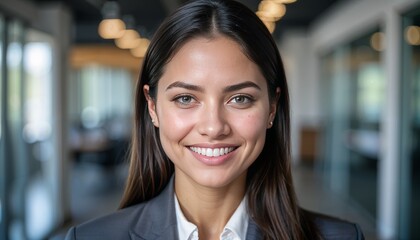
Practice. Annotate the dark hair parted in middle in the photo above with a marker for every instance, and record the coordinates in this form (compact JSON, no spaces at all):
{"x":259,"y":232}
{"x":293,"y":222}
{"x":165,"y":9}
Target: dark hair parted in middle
{"x":271,"y":198}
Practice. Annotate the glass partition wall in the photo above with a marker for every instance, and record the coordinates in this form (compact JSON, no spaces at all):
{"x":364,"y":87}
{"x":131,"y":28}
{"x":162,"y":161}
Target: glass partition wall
{"x":15,"y":148}
{"x":100,"y":101}
{"x":26,"y":203}
{"x":354,"y":96}
{"x":410,"y":160}
{"x":37,"y":134}
{"x":353,"y":90}
{"x":34,"y":149}
{"x":3,"y":185}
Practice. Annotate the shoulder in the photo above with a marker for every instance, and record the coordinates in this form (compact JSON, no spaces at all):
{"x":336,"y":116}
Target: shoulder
{"x":335,"y":228}
{"x":116,"y":225}
{"x":145,"y":220}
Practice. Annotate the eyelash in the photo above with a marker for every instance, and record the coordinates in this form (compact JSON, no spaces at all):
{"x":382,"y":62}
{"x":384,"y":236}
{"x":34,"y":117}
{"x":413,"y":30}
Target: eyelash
{"x":178,"y":99}
{"x":247,"y":98}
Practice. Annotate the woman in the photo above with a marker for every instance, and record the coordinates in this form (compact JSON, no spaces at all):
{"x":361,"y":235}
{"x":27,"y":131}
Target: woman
{"x":210,"y":154}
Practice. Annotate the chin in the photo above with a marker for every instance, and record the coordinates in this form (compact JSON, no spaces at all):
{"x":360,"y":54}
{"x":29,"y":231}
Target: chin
{"x":213,"y":180}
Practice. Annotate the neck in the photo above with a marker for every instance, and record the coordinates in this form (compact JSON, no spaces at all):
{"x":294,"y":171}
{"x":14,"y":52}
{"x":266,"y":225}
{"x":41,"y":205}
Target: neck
{"x":209,"y":208}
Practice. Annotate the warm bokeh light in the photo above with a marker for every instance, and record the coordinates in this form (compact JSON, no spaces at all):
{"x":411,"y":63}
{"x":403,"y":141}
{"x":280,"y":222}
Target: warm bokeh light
{"x":140,"y":50}
{"x":111,"y":28}
{"x":283,"y":1}
{"x":264,"y":16}
{"x":412,"y":35}
{"x":129,"y":39}
{"x":271,"y":9}
{"x":377,"y":41}
{"x":270,"y":25}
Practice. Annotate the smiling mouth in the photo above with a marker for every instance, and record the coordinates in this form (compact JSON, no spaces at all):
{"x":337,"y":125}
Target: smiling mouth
{"x":212,"y":152}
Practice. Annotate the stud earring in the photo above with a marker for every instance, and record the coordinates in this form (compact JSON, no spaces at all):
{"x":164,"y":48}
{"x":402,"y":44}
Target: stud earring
{"x":271,"y":123}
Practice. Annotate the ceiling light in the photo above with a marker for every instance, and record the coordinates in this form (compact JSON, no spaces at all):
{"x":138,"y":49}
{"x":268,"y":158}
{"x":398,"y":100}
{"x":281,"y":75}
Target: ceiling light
{"x":412,"y":35}
{"x":283,"y":1}
{"x":264,"y":16}
{"x":128,"y":40}
{"x":111,"y":28}
{"x":271,"y":9}
{"x":271,"y":26}
{"x":377,"y":41}
{"x":141,"y":49}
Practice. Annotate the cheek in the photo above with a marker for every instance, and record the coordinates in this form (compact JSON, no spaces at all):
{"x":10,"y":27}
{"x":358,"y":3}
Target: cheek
{"x":174,"y":125}
{"x":252,"y":125}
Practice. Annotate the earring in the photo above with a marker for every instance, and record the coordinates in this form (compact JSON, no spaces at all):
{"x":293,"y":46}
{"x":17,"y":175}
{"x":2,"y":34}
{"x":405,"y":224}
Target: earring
{"x":271,"y":123}
{"x":153,"y":121}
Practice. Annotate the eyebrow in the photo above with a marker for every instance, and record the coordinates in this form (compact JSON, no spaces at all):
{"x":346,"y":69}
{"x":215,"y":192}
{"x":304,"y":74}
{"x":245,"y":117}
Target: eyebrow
{"x":231,"y":88}
{"x":185,"y":85}
{"x":240,"y":86}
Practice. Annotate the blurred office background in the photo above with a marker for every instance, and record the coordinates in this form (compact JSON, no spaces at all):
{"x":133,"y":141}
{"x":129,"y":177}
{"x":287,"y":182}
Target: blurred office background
{"x":66,"y":96}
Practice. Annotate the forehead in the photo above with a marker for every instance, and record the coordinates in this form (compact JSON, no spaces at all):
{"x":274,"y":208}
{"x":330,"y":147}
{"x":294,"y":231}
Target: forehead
{"x":214,"y":43}
{"x":211,"y":38}
{"x":210,"y":59}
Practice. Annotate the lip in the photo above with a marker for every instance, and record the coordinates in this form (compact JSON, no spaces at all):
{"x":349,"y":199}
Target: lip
{"x":213,"y":161}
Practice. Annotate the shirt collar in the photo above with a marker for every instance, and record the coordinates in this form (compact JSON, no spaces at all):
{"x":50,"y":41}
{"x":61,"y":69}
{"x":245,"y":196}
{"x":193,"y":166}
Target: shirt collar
{"x":185,"y":228}
{"x":237,"y":224}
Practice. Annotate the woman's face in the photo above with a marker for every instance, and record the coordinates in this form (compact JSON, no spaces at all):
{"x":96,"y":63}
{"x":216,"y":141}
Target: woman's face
{"x":212,"y":110}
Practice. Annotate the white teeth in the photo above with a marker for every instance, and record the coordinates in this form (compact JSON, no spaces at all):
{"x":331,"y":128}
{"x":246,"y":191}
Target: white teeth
{"x":216,"y":152}
{"x":212,"y":152}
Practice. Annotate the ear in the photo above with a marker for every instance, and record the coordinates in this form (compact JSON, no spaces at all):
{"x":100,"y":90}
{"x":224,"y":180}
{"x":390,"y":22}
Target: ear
{"x":151,"y":105}
{"x":273,"y":109}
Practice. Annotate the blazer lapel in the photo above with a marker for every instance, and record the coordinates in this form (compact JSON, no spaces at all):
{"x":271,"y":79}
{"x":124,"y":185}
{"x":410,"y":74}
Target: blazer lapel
{"x":253,"y":232}
{"x":158,"y":220}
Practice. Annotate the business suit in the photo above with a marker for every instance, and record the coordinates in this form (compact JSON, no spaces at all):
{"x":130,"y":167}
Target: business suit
{"x":156,"y":220}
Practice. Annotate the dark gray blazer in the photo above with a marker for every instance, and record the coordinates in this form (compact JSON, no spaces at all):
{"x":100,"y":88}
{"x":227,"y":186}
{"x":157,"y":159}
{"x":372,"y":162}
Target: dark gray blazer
{"x":156,"y":220}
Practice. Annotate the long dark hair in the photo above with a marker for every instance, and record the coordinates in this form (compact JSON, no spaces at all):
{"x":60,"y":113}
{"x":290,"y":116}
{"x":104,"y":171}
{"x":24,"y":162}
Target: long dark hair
{"x":272,"y":202}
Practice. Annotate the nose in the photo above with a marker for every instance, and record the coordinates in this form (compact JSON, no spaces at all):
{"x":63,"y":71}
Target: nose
{"x":213,"y":122}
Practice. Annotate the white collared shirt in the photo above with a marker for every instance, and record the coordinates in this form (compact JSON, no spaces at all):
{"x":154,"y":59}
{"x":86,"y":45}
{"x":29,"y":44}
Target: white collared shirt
{"x":235,"y":228}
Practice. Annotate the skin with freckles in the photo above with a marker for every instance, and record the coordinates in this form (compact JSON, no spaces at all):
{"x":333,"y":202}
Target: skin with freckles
{"x":212,"y":110}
